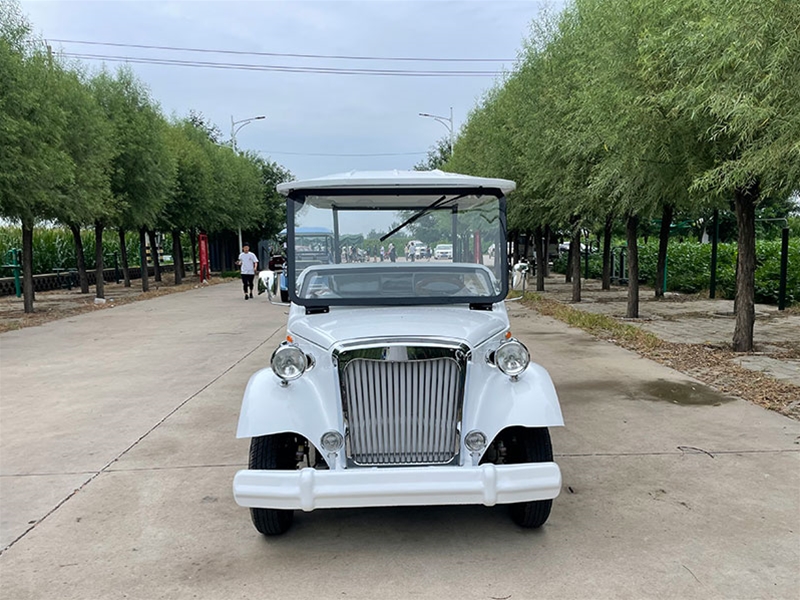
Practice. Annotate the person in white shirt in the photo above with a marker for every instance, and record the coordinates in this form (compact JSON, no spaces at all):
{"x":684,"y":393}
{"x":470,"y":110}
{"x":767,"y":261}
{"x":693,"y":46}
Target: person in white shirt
{"x":248,"y":265}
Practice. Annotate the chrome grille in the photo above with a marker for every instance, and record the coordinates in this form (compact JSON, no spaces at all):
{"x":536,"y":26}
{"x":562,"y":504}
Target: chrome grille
{"x":402,"y":412}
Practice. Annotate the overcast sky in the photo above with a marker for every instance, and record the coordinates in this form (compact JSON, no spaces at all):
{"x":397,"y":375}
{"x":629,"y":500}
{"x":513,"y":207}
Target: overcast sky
{"x":307,"y":112}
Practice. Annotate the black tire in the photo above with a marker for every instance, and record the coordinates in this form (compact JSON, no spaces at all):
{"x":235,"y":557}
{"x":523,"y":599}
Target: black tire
{"x":285,"y":296}
{"x":525,"y":445}
{"x":273,"y":452}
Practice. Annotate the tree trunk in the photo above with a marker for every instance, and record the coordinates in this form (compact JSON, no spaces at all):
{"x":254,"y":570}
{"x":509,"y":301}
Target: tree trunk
{"x":143,"y":260}
{"x":154,"y":255}
{"x":176,"y":256}
{"x":99,"y":283}
{"x":632,"y":227}
{"x":663,"y":244}
{"x":607,"y":252}
{"x":193,"y":239}
{"x":27,"y":265}
{"x":83,"y":277}
{"x":123,"y":254}
{"x":575,"y":251}
{"x":745,"y":201}
{"x":547,"y":236}
{"x":541,"y":259}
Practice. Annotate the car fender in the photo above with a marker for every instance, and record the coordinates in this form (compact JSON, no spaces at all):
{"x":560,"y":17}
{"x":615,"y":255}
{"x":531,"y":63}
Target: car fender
{"x":303,"y":406}
{"x":493,"y":401}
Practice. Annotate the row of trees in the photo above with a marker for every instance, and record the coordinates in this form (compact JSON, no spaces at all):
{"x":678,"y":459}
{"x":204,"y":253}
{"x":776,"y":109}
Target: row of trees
{"x":94,"y":150}
{"x":628,"y":110}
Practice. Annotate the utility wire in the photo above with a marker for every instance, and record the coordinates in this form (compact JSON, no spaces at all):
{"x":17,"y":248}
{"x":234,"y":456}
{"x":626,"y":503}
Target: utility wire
{"x":280,"y":68}
{"x":284,"y":54}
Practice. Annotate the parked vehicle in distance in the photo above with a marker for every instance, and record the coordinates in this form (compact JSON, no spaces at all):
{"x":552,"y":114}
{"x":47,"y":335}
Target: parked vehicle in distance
{"x":313,"y":246}
{"x":443,"y":252}
{"x":420,"y":250}
{"x":398,"y":383}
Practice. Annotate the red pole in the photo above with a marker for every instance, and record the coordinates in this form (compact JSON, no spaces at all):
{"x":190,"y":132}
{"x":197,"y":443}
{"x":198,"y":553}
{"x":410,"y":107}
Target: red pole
{"x":477,"y":248}
{"x":205,"y":268}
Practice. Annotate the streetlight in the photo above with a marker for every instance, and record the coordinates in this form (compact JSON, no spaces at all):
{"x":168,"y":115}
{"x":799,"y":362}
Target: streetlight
{"x":448,"y":123}
{"x":234,"y":131}
{"x":242,"y":123}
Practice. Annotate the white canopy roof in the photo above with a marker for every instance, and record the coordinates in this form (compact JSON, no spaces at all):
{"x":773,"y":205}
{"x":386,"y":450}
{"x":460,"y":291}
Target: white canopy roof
{"x":397,"y":179}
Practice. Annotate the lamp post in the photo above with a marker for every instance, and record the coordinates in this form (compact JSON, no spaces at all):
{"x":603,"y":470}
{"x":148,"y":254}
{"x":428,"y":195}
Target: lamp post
{"x":234,"y":130}
{"x":447,"y":122}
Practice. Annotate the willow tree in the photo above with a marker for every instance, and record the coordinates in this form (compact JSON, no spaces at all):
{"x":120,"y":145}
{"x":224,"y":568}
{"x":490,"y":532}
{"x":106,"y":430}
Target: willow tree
{"x":142,"y":170}
{"x":729,"y":71}
{"x":85,"y":197}
{"x":33,"y":163}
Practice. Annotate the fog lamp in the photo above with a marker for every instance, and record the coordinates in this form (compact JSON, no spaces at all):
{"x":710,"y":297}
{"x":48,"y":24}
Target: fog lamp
{"x":475,"y":441}
{"x":331,"y":441}
{"x":288,"y":362}
{"x":512,"y":358}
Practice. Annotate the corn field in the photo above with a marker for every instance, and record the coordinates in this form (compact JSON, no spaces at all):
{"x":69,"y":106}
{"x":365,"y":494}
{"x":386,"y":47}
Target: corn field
{"x":55,"y":248}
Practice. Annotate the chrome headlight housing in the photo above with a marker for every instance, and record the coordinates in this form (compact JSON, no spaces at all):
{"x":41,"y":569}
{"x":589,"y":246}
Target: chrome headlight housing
{"x":512,"y":358}
{"x":289,"y":362}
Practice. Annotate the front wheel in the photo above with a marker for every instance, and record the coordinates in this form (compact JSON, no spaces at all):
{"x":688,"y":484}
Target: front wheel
{"x":524,"y":445}
{"x":273,"y":452}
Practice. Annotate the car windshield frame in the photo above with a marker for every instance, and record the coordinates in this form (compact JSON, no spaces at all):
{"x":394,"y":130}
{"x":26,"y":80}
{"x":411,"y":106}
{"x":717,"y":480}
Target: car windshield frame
{"x":384,"y":195}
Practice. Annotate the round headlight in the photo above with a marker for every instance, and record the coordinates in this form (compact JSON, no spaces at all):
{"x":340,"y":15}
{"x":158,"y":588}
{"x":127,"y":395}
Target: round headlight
{"x":288,"y":362}
{"x":512,"y":358}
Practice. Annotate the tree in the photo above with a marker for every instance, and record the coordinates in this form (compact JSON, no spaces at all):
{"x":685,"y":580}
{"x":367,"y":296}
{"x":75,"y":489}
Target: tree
{"x":728,"y":70}
{"x":142,"y":170}
{"x":33,"y":163}
{"x":437,"y":156}
{"x":85,"y":197}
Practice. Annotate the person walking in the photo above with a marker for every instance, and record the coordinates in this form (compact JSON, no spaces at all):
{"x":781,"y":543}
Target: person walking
{"x":392,"y":253}
{"x":248,"y":265}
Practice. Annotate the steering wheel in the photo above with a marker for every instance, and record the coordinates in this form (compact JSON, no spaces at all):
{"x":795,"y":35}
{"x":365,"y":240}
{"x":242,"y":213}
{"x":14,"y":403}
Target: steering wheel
{"x":442,"y":285}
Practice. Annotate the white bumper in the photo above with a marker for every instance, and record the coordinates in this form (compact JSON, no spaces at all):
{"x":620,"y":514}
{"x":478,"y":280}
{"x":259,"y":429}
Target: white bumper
{"x":309,"y":489}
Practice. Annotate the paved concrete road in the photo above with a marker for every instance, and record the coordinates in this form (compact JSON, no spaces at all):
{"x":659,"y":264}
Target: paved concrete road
{"x":670,"y":490}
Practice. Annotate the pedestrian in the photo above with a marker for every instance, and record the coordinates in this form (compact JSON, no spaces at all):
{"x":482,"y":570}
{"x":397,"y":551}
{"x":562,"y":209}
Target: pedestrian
{"x":248,"y":266}
{"x":392,"y":253}
{"x":383,"y":253}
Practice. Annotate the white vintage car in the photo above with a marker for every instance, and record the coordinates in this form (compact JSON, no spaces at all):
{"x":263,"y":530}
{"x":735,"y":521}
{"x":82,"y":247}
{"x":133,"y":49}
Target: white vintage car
{"x":399,"y":383}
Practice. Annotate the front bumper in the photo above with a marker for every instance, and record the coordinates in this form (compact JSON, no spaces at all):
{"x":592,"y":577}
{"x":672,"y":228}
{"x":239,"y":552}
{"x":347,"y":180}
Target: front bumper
{"x":309,"y":489}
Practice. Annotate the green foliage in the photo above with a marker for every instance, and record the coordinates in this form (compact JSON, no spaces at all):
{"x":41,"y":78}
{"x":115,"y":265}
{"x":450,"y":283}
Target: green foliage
{"x":33,"y":163}
{"x":55,"y":248}
{"x":437,"y":156}
{"x":79,"y":149}
{"x":689,"y":268}
{"x":141,"y":170}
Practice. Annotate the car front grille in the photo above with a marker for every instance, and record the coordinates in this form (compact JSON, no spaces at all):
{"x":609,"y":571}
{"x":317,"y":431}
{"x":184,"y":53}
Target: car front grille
{"x":403,"y":411}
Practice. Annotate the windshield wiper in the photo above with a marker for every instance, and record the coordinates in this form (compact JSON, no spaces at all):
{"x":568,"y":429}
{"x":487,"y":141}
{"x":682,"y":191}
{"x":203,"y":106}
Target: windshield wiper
{"x":433,"y":206}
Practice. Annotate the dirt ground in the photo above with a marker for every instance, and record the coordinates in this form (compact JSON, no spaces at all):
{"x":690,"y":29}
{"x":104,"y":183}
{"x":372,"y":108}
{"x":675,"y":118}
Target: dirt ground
{"x":692,"y":334}
{"x":59,"y":304}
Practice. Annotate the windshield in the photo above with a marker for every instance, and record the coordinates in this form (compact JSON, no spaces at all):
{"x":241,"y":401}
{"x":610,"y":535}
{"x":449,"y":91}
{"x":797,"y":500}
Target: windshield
{"x":395,"y":249}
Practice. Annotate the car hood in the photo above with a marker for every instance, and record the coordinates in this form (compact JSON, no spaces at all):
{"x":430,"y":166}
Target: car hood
{"x":344,"y":324}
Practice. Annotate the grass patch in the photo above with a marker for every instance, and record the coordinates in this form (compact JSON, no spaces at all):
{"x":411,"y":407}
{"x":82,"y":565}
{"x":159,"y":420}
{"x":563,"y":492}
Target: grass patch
{"x":601,"y":326}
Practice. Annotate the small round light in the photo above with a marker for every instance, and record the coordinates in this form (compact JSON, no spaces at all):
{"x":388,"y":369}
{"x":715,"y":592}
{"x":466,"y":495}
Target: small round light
{"x":475,"y":441}
{"x":288,"y":362}
{"x":332,"y":441}
{"x":512,"y":358}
